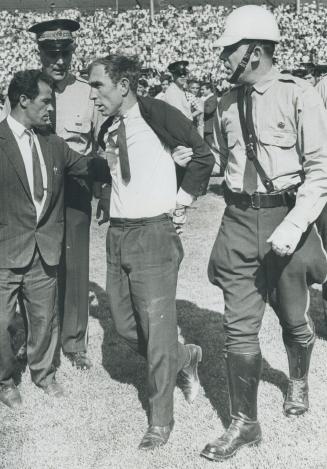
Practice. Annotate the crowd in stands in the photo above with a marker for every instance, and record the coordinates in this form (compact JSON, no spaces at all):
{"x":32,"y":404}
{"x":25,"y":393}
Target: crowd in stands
{"x":174,"y":34}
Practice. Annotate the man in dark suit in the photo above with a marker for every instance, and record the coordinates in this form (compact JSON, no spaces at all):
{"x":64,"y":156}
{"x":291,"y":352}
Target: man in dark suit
{"x":32,"y":168}
{"x":143,"y":248}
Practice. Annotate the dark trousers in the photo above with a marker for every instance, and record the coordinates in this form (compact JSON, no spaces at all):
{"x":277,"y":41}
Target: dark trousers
{"x":37,"y":285}
{"x":249,"y":273}
{"x":322,"y":228}
{"x":74,"y":279}
{"x":143,"y":258}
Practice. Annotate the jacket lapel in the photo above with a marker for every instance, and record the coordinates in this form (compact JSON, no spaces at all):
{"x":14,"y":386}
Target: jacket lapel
{"x":48,"y":161}
{"x":11,"y":150}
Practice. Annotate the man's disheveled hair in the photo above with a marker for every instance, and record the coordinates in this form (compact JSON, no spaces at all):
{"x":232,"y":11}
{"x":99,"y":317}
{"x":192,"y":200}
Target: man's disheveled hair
{"x":120,"y":66}
{"x":26,"y":83}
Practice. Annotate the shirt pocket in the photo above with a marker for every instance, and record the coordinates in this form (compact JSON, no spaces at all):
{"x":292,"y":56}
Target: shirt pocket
{"x":78,"y":127}
{"x":286,"y":139}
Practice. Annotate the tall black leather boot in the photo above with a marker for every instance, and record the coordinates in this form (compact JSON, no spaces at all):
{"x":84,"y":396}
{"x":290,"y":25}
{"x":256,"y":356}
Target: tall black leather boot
{"x":244,"y":372}
{"x":297,"y":400}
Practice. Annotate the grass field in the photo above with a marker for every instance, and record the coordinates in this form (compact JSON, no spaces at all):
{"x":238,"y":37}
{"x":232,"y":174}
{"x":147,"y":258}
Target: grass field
{"x":100,"y":422}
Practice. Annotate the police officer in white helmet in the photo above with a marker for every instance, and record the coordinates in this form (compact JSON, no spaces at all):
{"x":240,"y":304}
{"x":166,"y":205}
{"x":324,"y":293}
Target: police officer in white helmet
{"x":272,"y":134}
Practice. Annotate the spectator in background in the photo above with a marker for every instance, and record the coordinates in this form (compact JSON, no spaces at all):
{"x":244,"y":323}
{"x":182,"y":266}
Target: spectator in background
{"x":175,"y":94}
{"x":142,"y":88}
{"x":197,"y":108}
{"x":165,"y":82}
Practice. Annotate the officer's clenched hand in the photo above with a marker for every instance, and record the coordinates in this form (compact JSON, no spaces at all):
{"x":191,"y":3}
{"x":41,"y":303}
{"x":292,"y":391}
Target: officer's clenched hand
{"x":285,"y":238}
{"x":182,"y":155}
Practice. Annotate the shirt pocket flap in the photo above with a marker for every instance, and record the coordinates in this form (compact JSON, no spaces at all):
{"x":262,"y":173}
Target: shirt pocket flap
{"x":278,"y":139}
{"x":80,"y":127}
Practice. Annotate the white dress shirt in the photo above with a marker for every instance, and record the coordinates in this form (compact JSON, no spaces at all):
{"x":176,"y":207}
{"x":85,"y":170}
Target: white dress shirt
{"x":152,"y":189}
{"x":23,"y":142}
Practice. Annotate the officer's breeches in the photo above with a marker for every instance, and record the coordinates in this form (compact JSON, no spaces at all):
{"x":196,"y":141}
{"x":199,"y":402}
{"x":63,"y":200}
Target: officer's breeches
{"x":250,"y":274}
{"x":322,"y":228}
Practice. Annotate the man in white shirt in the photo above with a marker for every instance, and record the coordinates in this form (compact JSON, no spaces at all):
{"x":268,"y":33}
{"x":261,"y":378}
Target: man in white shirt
{"x":143,"y":248}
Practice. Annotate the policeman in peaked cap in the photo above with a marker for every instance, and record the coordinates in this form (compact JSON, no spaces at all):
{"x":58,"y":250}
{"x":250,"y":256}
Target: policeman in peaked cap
{"x":175,"y":94}
{"x":179,"y":68}
{"x":76,"y":120}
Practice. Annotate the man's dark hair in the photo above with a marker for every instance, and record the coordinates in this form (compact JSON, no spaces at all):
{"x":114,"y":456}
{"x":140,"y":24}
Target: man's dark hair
{"x":166,"y":77}
{"x":26,"y":83}
{"x":207,"y":85}
{"x":120,"y":66}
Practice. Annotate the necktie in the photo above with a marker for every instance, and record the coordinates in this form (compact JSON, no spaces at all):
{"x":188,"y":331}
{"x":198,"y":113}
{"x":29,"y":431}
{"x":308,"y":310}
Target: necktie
{"x":250,"y":174}
{"x":123,"y":151}
{"x":38,"y":189}
{"x":52,"y":114}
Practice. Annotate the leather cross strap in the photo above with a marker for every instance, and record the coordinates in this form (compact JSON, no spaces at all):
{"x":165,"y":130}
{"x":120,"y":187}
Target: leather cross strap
{"x":250,"y":140}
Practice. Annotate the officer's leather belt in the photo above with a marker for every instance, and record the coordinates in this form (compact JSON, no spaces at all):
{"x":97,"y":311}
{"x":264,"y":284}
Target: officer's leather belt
{"x":259,"y":199}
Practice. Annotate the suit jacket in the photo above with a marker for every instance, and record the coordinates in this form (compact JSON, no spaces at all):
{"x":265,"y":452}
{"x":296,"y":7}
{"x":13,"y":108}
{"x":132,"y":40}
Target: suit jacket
{"x":174,"y":129}
{"x":210,"y":106}
{"x":20,"y":232}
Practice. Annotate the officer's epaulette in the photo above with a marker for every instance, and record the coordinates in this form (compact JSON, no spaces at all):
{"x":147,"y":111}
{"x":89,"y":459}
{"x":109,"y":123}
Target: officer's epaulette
{"x":81,"y":79}
{"x":287,"y":78}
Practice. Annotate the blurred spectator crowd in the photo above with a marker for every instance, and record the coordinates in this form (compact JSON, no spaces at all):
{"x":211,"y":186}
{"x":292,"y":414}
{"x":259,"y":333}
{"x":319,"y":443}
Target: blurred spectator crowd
{"x":174,"y":34}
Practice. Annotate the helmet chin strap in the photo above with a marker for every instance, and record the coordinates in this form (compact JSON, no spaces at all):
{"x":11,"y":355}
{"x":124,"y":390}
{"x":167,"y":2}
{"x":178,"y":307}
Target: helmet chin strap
{"x":242,"y":65}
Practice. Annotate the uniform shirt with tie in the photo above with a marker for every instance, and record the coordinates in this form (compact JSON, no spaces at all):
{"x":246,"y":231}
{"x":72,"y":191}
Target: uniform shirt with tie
{"x":152,"y":187}
{"x":23,"y":140}
{"x":291,"y":131}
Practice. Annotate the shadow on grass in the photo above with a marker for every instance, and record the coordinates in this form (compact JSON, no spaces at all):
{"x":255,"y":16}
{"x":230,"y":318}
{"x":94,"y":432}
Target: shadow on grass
{"x":118,"y":360}
{"x":200,"y":326}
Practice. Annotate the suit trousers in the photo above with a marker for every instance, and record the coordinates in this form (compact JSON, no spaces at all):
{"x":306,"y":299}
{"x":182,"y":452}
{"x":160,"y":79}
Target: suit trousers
{"x":250,"y":274}
{"x":74,"y":269}
{"x":143,"y":257}
{"x":37,"y":285}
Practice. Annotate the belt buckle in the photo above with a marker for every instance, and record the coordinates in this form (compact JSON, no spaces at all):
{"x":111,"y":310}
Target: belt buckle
{"x":255,"y":200}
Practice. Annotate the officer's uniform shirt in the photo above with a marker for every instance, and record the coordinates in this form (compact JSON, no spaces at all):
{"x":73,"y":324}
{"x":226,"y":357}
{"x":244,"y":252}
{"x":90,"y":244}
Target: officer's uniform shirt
{"x":321,"y":87}
{"x":77,"y":120}
{"x":176,"y":97}
{"x":291,"y":129}
{"x":152,"y":188}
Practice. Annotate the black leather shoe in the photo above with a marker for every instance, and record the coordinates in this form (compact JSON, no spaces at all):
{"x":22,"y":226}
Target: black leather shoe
{"x":190,"y":382}
{"x":54,"y":390}
{"x":80,"y":360}
{"x":237,"y":435}
{"x":155,"y":437}
{"x":10,"y":396}
{"x":297,"y":399}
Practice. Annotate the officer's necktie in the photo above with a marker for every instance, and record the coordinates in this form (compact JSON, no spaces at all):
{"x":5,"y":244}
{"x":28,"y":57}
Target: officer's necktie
{"x":52,"y":113}
{"x":250,"y":182}
{"x":123,"y":151}
{"x":38,"y":189}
